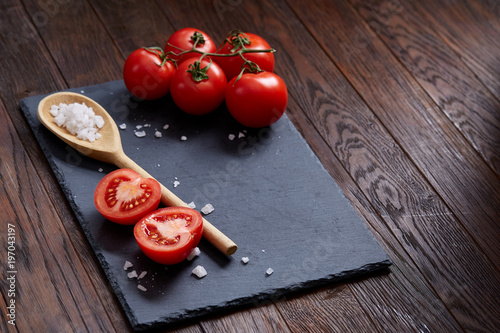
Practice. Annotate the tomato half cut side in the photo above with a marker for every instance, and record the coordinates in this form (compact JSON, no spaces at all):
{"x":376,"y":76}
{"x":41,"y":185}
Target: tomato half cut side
{"x":168,"y":235}
{"x":124,"y":197}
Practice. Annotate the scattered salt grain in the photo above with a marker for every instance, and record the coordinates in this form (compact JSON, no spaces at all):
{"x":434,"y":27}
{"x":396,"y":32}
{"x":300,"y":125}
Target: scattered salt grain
{"x":165,"y":126}
{"x":100,"y":169}
{"x":158,"y":134}
{"x":241,"y":135}
{"x":207,"y":209}
{"x":123,"y":126}
{"x":184,"y":138}
{"x":191,"y":205}
{"x":176,"y":183}
{"x":199,"y":271}
{"x":141,"y":287}
{"x":194,"y":253}
{"x":269,"y":271}
{"x":231,"y":137}
{"x":147,"y":125}
{"x":78,"y":119}
{"x":132,"y":274}
{"x":140,"y":134}
{"x":143,"y":274}
{"x":127,"y":265}
{"x":138,"y":126}
{"x":245,"y":260}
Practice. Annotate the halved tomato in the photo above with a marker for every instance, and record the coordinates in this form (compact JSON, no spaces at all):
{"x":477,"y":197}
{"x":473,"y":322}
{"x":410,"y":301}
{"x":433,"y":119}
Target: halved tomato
{"x":124,"y":197}
{"x":168,"y":235}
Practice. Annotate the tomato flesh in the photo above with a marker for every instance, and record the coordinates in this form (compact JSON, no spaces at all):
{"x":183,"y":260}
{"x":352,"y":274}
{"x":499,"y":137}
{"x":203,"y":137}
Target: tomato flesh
{"x":168,"y":235}
{"x":123,"y":196}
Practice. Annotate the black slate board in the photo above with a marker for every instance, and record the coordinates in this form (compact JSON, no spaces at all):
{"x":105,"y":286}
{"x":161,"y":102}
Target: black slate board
{"x":271,"y":196}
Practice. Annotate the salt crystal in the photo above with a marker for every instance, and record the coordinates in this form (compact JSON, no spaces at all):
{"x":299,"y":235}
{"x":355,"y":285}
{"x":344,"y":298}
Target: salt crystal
{"x":122,"y":126}
{"x":78,"y":119}
{"x":127,"y":265}
{"x":241,"y":135}
{"x":176,"y":183}
{"x":269,"y":271}
{"x":143,"y":274}
{"x":245,"y":260}
{"x":199,"y":271}
{"x":140,"y":134}
{"x":184,"y":138}
{"x":194,"y":253}
{"x":165,"y":126}
{"x":132,"y":274}
{"x":207,"y":209}
{"x":138,"y":126}
{"x":158,"y":134}
{"x":100,"y":169}
{"x":141,"y":287}
{"x":231,"y":137}
{"x":191,"y":205}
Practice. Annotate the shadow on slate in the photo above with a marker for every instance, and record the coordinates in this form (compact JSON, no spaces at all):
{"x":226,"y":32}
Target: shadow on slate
{"x":271,"y":196}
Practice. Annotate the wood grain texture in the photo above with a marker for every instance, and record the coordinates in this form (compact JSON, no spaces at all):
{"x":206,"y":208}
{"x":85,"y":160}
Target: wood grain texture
{"x":45,"y":277}
{"x":471,"y":26}
{"x":454,"y":87}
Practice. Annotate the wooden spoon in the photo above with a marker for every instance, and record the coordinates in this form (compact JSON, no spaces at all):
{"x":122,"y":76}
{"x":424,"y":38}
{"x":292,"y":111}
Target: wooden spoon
{"x":109,"y":149}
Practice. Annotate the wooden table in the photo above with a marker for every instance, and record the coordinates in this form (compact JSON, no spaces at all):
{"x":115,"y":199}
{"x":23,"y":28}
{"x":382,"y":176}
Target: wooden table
{"x":399,"y":99}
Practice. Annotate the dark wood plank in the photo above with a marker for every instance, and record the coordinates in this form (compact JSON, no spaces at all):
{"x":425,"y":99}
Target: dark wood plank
{"x":50,"y":278}
{"x":31,"y":77}
{"x":471,"y":29}
{"x":391,"y":299}
{"x":452,"y":166}
{"x":77,"y":41}
{"x":439,"y":152}
{"x":436,"y":67}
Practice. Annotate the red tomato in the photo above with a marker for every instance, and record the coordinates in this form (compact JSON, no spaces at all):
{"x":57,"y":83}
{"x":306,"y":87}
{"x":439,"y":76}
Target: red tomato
{"x":232,"y":65}
{"x":168,"y":235}
{"x":146,"y":76}
{"x":257,"y":99}
{"x":198,"y":97}
{"x":184,"y":39}
{"x":122,"y":196}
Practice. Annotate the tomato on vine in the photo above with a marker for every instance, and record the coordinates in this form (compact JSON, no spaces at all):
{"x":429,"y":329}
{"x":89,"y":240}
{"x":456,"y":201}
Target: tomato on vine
{"x":187,"y":39}
{"x":248,"y":45}
{"x":256,"y":99}
{"x":147,"y":73}
{"x":198,"y":87}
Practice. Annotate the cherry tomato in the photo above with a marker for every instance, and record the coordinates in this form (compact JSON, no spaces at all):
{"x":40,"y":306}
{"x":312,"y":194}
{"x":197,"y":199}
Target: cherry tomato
{"x":123,"y":197}
{"x":257,"y":99}
{"x":184,"y":39}
{"x":146,"y":75}
{"x":232,"y":65}
{"x":168,"y":235}
{"x":202,"y":96}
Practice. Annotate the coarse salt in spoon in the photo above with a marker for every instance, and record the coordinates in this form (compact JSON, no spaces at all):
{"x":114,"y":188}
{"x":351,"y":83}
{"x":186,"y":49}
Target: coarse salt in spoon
{"x":109,"y":149}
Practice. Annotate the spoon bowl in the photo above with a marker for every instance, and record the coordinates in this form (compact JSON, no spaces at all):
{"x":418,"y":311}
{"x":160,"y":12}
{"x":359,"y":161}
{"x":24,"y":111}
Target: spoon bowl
{"x":105,"y":149}
{"x":108,"y":148}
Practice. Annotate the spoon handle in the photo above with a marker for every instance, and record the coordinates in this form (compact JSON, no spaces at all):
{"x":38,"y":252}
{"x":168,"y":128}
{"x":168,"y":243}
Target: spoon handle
{"x":211,"y":233}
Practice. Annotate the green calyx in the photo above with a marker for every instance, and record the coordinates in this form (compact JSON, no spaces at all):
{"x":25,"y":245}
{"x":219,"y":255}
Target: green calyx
{"x":197,"y":72}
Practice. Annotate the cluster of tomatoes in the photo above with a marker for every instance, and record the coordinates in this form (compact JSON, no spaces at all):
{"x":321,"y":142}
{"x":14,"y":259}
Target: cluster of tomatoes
{"x":200,"y":77}
{"x":165,"y":235}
